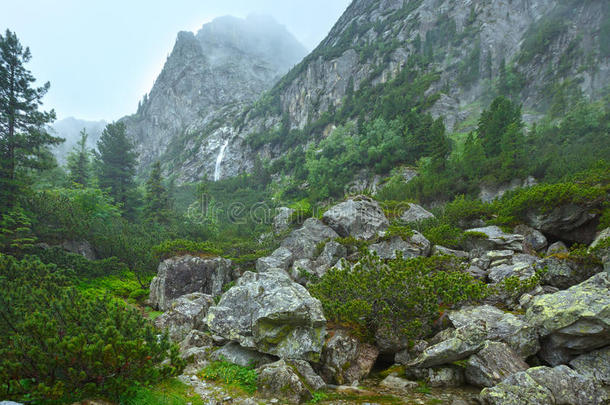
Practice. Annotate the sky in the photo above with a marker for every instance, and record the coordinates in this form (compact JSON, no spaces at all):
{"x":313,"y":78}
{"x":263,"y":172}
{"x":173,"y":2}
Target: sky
{"x":102,"y":56}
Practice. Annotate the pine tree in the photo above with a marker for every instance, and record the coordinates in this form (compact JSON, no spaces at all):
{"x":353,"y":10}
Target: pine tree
{"x":157,"y":200}
{"x":79,"y":161}
{"x":24,"y":140}
{"x":440,"y":146}
{"x":117,"y":165}
{"x":495,"y":121}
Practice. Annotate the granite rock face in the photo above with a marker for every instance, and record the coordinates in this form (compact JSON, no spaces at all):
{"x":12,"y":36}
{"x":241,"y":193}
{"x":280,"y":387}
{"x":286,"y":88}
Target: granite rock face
{"x":187,"y":274}
{"x":345,"y":359}
{"x":572,"y":321}
{"x":359,"y":217}
{"x":272,"y":314}
{"x":184,"y":314}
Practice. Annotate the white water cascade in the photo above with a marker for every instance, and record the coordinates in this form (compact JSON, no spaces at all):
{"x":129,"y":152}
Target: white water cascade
{"x":219,"y":158}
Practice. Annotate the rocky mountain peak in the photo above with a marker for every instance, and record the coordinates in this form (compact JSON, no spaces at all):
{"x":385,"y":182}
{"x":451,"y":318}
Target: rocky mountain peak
{"x":229,"y":62}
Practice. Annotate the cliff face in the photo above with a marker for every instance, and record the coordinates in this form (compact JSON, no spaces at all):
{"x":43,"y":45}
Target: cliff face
{"x":532,"y":50}
{"x":228,"y":63}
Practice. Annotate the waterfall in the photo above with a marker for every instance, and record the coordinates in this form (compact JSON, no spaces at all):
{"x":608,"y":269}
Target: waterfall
{"x":219,"y":158}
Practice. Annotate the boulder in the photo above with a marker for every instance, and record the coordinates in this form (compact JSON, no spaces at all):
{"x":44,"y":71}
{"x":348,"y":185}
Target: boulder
{"x":80,"y":247}
{"x":282,"y":219}
{"x":390,"y":340}
{"x":493,"y":363}
{"x":544,"y":385}
{"x":281,"y":258}
{"x":415,"y":213}
{"x":557,"y":248}
{"x":272,"y":314}
{"x":564,"y":273}
{"x":445,"y":377}
{"x":242,"y":356}
{"x":280,"y":380}
{"x":360,"y":217}
{"x":331,"y":254}
{"x":303,"y":242}
{"x":184,"y":314}
{"x":595,"y":364}
{"x":196,"y":338}
{"x":345,"y":359}
{"x":441,"y":250}
{"x":572,"y":321}
{"x":313,"y":381}
{"x":187,"y":274}
{"x":492,"y":237}
{"x":522,"y":270}
{"x":396,"y":383}
{"x":534,"y":239}
{"x":575,"y":223}
{"x":415,"y":245}
{"x":600,"y":248}
{"x":500,"y":326}
{"x":300,"y":269}
{"x":462,"y":343}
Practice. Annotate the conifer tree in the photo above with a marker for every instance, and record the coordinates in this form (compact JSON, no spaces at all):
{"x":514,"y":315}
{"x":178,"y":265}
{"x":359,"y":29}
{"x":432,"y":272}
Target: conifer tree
{"x":495,"y":121}
{"x":440,"y":146}
{"x":117,"y":165}
{"x":157,"y":200}
{"x":24,"y":140}
{"x":79,"y":161}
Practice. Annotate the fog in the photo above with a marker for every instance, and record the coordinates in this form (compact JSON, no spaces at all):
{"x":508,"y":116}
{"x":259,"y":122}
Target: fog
{"x":101,"y":57}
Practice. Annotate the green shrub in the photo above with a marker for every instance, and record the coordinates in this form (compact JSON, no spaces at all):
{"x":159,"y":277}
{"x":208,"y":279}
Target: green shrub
{"x":178,"y":247}
{"x":82,"y":266}
{"x":59,"y":345}
{"x":404,"y":295}
{"x":232,"y":375}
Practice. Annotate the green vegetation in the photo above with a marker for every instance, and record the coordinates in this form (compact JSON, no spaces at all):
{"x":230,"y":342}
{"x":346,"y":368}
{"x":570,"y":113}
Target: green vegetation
{"x":232,"y":375}
{"x":401,"y":295}
{"x":179,"y":247}
{"x":168,"y":392}
{"x":60,"y":345}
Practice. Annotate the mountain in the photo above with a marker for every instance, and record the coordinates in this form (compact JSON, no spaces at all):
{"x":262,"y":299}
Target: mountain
{"x":69,"y":129}
{"x":449,"y":58}
{"x":227,"y":64}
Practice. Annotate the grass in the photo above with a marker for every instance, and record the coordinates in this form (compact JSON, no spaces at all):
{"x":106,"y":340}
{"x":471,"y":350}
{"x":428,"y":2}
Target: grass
{"x":168,"y":392}
{"x":231,"y":375}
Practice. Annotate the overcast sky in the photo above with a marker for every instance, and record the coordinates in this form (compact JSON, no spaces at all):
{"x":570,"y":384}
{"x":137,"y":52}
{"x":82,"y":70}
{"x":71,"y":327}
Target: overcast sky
{"x":101,"y":56}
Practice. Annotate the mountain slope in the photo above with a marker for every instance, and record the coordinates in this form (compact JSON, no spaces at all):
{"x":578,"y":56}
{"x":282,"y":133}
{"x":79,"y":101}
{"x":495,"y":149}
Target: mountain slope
{"x":455,"y":56}
{"x":230,"y":61}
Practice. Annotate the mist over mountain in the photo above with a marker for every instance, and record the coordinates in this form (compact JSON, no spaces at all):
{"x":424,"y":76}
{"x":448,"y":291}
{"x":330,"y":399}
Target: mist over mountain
{"x":69,"y":129}
{"x":228,"y":63}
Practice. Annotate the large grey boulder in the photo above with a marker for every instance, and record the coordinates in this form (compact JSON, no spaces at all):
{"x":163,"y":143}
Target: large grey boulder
{"x":281,"y":380}
{"x":544,"y":385}
{"x":303,"y":242}
{"x":533,"y":238}
{"x":557,"y":248}
{"x":281,"y":258}
{"x":568,"y":222}
{"x":595,"y":364}
{"x":242,"y":356}
{"x":492,"y":237}
{"x":564,"y":273}
{"x":500,"y":326}
{"x":416,"y":245}
{"x":281,"y":220}
{"x":272,"y":314}
{"x":572,"y":321}
{"x":493,"y":363}
{"x":345,"y":359}
{"x":184,"y":314}
{"x":187,"y":274}
{"x":415,"y":213}
{"x":360,"y":217}
{"x":461,"y":343}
